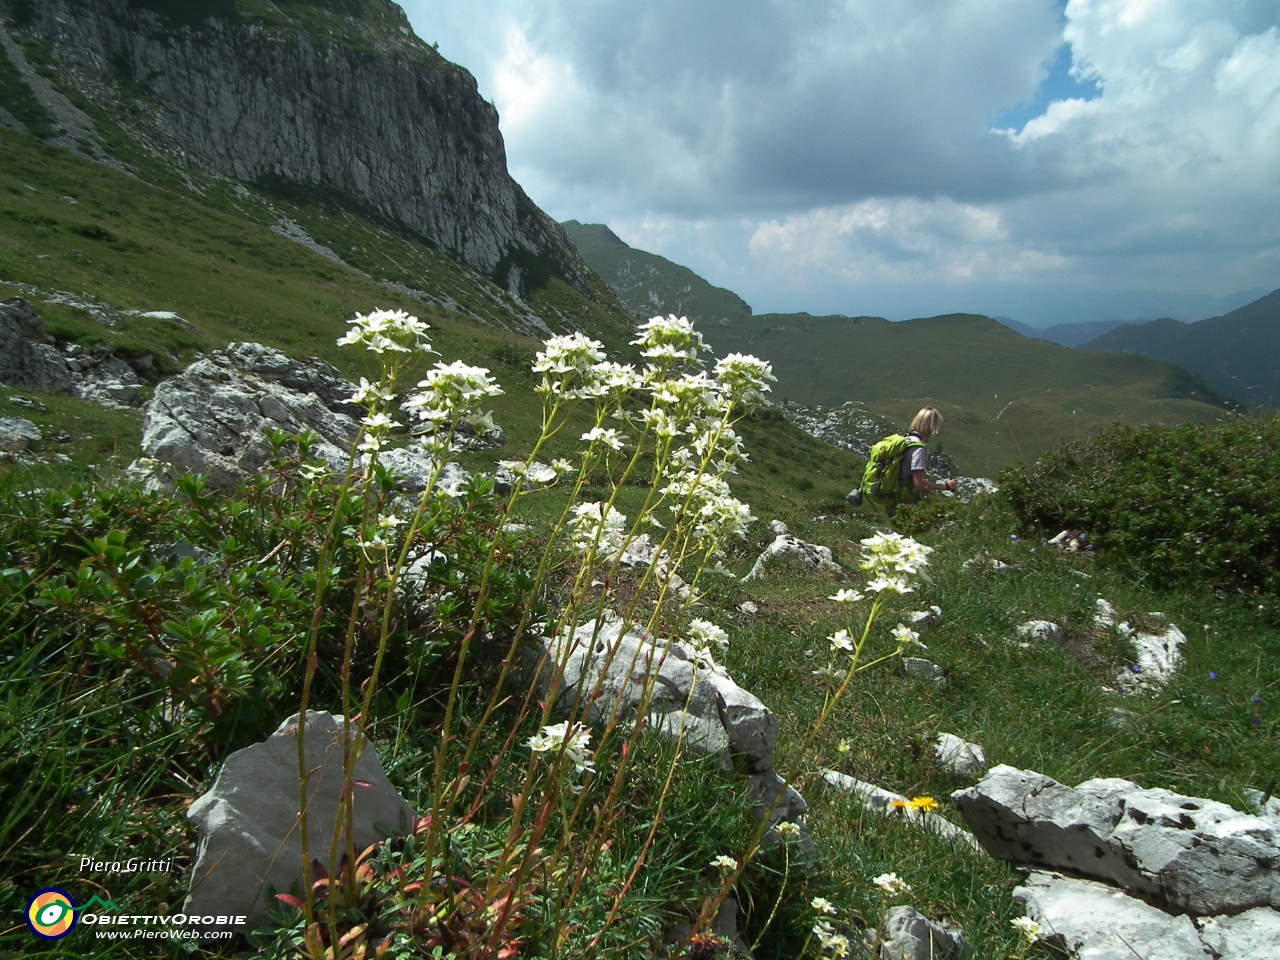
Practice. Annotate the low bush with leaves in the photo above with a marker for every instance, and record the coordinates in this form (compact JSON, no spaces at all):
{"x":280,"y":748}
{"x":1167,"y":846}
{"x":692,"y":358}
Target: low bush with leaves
{"x":1186,"y":504}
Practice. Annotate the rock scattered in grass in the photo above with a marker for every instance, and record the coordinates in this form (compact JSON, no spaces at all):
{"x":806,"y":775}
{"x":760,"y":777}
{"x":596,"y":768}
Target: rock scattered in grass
{"x":1043,"y":630}
{"x":956,"y":755}
{"x":908,"y":935}
{"x":16,"y":435}
{"x":787,"y":545}
{"x":248,"y":820}
{"x":1188,"y":853}
{"x":749,"y":608}
{"x":926,"y":669}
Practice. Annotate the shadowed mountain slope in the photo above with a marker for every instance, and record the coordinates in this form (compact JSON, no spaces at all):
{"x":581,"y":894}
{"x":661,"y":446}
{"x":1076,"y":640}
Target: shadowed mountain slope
{"x":1238,"y":353}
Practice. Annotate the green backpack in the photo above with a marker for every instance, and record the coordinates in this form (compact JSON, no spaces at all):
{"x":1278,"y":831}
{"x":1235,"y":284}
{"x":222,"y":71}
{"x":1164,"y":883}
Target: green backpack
{"x":882,"y":479}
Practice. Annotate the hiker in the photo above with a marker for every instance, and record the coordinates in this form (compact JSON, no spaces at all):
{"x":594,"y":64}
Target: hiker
{"x":895,"y":470}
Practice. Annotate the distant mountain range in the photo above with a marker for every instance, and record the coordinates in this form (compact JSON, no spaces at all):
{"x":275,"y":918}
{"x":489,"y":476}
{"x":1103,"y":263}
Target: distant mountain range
{"x":1238,"y":353}
{"x":1005,"y":397}
{"x":1065,"y":334}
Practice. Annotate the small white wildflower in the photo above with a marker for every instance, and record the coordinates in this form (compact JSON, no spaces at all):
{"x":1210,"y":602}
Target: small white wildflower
{"x":574,"y":739}
{"x":313,"y":471}
{"x":907,"y":637}
{"x":724,"y":863}
{"x":890,"y":585}
{"x":830,"y":672}
{"x":561,"y":466}
{"x":371,"y":392}
{"x":891,"y":884}
{"x":606,"y":435}
{"x":744,"y":378}
{"x":598,"y":529}
{"x":847,"y":596}
{"x":840,"y":640}
{"x":707,"y":632}
{"x":823,"y":905}
{"x":389,"y":522}
{"x":669,"y":338}
{"x":369,"y":444}
{"x":1029,"y":929}
{"x":378,"y":422}
{"x":788,"y":831}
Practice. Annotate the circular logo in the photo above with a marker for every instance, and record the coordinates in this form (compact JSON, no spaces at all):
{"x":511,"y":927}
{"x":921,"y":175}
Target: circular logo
{"x":51,"y":914}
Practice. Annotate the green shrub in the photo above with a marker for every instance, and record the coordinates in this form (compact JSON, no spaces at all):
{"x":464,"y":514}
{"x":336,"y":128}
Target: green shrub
{"x":1185,"y":503}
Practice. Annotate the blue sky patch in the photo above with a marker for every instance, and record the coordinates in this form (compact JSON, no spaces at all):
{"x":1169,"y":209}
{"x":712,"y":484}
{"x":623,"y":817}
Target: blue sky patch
{"x":1058,"y":85}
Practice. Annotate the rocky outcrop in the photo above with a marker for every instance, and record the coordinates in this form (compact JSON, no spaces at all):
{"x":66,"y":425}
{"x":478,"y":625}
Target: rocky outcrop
{"x":212,"y":418}
{"x":957,"y":755}
{"x":358,"y":107}
{"x":28,"y":357}
{"x":1185,"y":853}
{"x":909,"y":935}
{"x":792,"y":547}
{"x":16,"y":435}
{"x":248,"y":821}
{"x":690,"y":697}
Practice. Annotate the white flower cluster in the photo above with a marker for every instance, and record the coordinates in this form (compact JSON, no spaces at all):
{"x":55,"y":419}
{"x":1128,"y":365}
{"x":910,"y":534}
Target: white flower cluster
{"x":745,"y":379}
{"x":892,"y":884}
{"x":706,"y":633}
{"x":1030,"y":930}
{"x":574,"y":740}
{"x":907,"y":637}
{"x":387,"y":331}
{"x":564,"y":363}
{"x":451,"y":393}
{"x":893,"y":561}
{"x":837,"y":944}
{"x":668,"y":339}
{"x":598,"y":529}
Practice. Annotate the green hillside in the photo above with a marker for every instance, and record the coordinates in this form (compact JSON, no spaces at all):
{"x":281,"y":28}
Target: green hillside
{"x":650,"y":284}
{"x":1235,"y":353}
{"x":1005,"y":397}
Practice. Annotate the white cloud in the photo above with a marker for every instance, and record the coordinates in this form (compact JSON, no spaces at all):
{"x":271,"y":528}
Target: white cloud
{"x":817,"y":147}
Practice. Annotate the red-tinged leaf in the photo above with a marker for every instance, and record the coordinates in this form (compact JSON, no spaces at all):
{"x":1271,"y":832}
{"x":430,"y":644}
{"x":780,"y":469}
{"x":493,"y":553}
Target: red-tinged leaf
{"x":414,"y":888}
{"x":350,"y":935}
{"x":363,"y":783}
{"x":319,"y":869}
{"x":626,"y":747}
{"x":384,"y":946}
{"x":289,"y":900}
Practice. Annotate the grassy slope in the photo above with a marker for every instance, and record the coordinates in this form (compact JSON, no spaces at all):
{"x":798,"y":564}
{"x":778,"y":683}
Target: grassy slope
{"x":970,"y":367}
{"x":1234,"y":353}
{"x":1005,"y":397}
{"x":648,"y":283}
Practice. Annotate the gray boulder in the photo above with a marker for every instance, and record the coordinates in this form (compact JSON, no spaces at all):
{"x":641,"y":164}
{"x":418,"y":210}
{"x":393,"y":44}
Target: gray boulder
{"x":1043,"y":630}
{"x":1252,"y":935}
{"x":413,"y":468}
{"x":28,"y":357}
{"x":787,"y":545}
{"x":16,"y":435}
{"x":248,"y":821}
{"x":1193,"y":855}
{"x":956,"y":755}
{"x":689,"y":695}
{"x":908,"y":935}
{"x":925,"y":669}
{"x":212,"y":418}
{"x":1092,"y":920}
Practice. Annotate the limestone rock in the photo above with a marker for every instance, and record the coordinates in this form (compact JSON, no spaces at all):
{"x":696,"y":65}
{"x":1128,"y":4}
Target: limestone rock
{"x":1094,"y":921}
{"x":1192,"y":854}
{"x":715,"y":714}
{"x":413,"y":468}
{"x":878,"y":800}
{"x":1268,"y":810}
{"x":536,"y":475}
{"x":787,"y":545}
{"x":28,"y":357}
{"x":919,"y":619}
{"x":212,"y":418}
{"x":956,"y":755}
{"x":16,"y":434}
{"x":1043,"y":630}
{"x":908,"y":935}
{"x":748,"y":608}
{"x":248,"y":820}
{"x":1252,"y":935}
{"x":926,"y":669}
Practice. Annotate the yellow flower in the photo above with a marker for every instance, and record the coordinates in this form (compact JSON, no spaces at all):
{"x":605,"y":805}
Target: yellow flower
{"x":843,"y":747}
{"x":897,"y":804}
{"x":922,"y":804}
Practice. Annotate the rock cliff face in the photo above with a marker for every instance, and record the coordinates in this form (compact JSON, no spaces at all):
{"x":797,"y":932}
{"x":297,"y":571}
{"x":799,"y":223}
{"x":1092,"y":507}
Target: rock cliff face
{"x":327,"y":95}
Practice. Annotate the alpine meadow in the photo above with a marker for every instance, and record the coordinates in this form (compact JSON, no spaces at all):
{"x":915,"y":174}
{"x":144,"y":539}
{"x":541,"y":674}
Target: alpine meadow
{"x":390,"y":570}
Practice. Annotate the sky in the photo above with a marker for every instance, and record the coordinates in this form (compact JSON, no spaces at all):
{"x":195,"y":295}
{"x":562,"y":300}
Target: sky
{"x":1051,"y":161}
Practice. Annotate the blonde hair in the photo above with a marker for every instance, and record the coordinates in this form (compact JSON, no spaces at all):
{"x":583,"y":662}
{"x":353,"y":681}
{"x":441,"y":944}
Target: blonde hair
{"x":927,"y":421}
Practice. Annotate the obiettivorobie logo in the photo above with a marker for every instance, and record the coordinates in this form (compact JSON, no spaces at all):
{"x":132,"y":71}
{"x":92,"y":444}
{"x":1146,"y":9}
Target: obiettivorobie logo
{"x":52,"y":914}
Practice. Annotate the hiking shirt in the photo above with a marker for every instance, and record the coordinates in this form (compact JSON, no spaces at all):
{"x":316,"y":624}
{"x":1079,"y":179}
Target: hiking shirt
{"x":916,"y":458}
